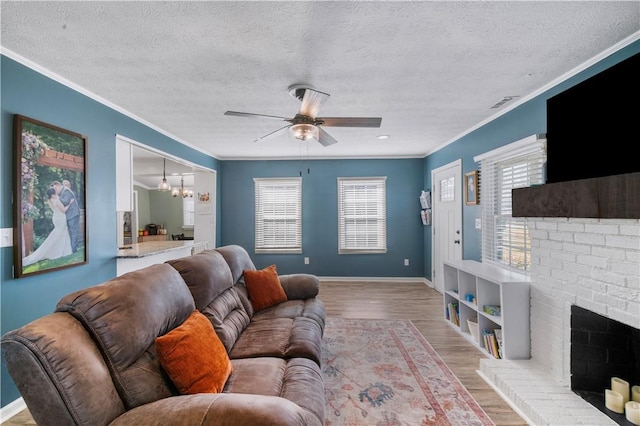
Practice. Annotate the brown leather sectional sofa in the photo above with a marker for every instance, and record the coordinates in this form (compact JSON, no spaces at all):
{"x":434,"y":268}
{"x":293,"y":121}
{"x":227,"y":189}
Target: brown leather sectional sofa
{"x":94,"y":362}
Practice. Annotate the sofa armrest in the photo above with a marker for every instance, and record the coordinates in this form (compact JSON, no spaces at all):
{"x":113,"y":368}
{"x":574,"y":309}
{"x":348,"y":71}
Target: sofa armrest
{"x":209,"y":409}
{"x":300,"y":286}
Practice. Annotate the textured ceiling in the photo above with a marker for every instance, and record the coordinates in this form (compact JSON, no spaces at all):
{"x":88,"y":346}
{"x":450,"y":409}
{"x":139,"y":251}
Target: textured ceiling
{"x":431,"y":70}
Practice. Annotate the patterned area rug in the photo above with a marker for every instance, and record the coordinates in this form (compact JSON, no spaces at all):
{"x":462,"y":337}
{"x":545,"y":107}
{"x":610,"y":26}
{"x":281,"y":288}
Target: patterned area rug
{"x":384,"y":372}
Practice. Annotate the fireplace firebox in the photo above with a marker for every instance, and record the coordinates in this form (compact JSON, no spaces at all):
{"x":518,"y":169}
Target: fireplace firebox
{"x":602,"y":348}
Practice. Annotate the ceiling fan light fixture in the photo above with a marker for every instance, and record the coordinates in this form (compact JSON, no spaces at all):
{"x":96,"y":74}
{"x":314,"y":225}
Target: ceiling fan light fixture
{"x":306,"y":124}
{"x":305,"y":132}
{"x":164,"y":185}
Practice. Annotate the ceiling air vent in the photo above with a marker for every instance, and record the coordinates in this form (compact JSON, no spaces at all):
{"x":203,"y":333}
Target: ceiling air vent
{"x":503,"y":101}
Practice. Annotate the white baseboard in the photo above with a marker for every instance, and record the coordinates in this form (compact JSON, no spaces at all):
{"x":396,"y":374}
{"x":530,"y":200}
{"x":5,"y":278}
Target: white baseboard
{"x":379,"y":279}
{"x":12,"y":409}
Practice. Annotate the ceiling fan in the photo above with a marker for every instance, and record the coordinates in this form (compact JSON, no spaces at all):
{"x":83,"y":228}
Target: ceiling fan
{"x":306,"y":124}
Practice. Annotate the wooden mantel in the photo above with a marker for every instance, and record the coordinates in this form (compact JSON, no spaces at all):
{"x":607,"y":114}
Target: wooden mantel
{"x":610,"y":197}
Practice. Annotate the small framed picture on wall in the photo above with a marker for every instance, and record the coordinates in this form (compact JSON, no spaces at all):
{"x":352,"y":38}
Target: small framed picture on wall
{"x":471,"y":194}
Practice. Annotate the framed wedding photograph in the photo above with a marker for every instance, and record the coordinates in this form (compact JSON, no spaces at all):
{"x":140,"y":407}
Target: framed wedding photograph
{"x":471,"y":195}
{"x":50,"y":191}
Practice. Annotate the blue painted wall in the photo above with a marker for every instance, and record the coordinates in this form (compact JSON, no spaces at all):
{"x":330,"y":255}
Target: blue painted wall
{"x":320,"y":215}
{"x":26,"y":92}
{"x":29,"y":93}
{"x":525,"y":120}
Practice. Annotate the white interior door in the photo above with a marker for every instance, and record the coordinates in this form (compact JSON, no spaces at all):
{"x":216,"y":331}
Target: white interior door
{"x":447,"y":219}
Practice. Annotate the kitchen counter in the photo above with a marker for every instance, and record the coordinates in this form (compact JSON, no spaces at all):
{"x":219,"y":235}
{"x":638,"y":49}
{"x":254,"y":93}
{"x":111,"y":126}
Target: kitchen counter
{"x":147,"y":238}
{"x":150,"y":253}
{"x":151,"y":247}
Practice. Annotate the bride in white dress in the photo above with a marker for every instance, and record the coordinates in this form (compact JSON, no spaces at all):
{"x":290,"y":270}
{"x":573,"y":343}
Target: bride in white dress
{"x":57,"y":243}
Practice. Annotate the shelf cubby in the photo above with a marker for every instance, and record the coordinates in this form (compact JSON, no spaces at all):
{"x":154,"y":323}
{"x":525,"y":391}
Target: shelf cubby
{"x":495,"y":286}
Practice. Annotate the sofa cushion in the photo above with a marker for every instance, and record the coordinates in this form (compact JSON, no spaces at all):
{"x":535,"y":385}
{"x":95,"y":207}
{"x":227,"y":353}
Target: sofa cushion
{"x":298,"y":380}
{"x":228,"y":317}
{"x":280,"y":337}
{"x":216,"y":409}
{"x":238,"y":260}
{"x":300,"y":286}
{"x":264,"y":288}
{"x":124,"y":316}
{"x":207,"y":275}
{"x":209,"y":280}
{"x":312,"y":308}
{"x":60,"y":372}
{"x":193,"y":356}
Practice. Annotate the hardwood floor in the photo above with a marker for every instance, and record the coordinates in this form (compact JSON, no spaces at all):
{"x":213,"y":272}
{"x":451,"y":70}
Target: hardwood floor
{"x":423,"y":306}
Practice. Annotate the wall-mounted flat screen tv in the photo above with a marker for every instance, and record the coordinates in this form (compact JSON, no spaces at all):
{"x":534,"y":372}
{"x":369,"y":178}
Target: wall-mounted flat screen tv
{"x":593,"y":128}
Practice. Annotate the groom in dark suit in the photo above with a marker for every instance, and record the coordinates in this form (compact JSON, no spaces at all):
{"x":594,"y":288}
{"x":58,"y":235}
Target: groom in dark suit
{"x":65,"y":194}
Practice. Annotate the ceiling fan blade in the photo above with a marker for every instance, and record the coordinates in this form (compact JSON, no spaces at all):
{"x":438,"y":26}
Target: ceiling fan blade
{"x":272,"y":134}
{"x":349,"y":121}
{"x":325,"y":138}
{"x":250,"y":115}
{"x":312,"y":101}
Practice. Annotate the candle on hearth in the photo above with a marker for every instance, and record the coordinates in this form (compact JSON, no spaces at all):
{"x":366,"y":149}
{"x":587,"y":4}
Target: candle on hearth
{"x":632,"y":412}
{"x":622,"y":387}
{"x":613,"y":401}
{"x":635,"y":393}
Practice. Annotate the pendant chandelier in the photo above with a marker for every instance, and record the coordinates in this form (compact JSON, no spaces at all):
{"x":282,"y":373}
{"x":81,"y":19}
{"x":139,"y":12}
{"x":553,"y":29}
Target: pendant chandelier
{"x":164,"y":185}
{"x":185,"y":193}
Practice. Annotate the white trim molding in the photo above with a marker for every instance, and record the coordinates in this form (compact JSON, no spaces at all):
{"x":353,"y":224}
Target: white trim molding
{"x":58,"y":78}
{"x":11,"y":409}
{"x":386,"y":280}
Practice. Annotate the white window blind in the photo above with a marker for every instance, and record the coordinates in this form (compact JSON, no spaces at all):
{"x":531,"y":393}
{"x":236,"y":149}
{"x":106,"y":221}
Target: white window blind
{"x":362,"y":215}
{"x":505,"y":239}
{"x":278,"y":215}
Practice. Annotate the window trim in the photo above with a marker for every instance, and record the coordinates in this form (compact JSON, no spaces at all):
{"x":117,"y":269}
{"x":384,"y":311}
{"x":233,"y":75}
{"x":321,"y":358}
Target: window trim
{"x":496,"y":221}
{"x":260,"y":246}
{"x":381,"y":211}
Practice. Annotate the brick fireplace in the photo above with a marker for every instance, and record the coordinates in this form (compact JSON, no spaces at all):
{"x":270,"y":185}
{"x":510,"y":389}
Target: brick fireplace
{"x":602,"y":348}
{"x":593,"y":264}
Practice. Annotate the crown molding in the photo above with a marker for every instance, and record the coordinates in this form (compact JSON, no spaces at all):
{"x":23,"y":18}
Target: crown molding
{"x":73,"y":86}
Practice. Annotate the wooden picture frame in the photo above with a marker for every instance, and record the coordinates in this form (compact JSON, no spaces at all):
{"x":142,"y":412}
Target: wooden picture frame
{"x":471,"y":194}
{"x":50,"y":218}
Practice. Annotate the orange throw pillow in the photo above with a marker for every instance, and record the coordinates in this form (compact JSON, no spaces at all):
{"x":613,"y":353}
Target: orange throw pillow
{"x":264,"y":288}
{"x":194,"y":357}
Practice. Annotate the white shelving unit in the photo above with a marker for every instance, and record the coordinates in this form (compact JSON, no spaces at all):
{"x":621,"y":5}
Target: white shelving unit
{"x":490,"y":285}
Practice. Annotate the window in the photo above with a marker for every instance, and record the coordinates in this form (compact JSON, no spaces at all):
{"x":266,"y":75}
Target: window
{"x":187,"y":213}
{"x":278,"y":215}
{"x":362,"y":215}
{"x":447,"y":189}
{"x":505,"y":239}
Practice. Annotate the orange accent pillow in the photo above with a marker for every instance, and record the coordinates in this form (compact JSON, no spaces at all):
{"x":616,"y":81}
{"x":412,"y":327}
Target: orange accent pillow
{"x":264,"y":288}
{"x":194,"y":357}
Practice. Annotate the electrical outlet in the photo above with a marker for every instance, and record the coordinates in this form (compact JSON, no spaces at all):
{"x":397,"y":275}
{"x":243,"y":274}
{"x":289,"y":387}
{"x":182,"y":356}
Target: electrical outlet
{"x":306,"y":260}
{"x":478,"y":223}
{"x":6,"y":237}
{"x":406,"y":262}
